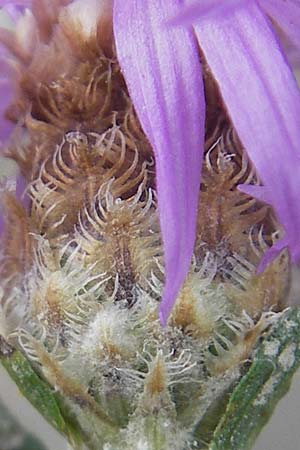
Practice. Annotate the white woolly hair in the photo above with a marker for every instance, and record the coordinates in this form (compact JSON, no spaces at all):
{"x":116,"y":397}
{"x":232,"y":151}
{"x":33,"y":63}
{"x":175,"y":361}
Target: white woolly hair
{"x":87,"y":13}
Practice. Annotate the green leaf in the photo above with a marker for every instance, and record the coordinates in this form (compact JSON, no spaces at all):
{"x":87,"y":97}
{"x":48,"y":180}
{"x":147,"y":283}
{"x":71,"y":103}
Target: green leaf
{"x":204,"y":430}
{"x":268,"y":379}
{"x":35,"y":389}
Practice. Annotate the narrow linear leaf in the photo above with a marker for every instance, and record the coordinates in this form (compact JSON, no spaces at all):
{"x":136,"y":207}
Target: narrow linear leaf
{"x":204,"y":431}
{"x":36,"y":391}
{"x":268,"y":379}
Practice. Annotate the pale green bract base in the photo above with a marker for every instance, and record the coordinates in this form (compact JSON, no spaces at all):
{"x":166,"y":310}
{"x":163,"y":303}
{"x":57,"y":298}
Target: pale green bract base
{"x":226,"y":422}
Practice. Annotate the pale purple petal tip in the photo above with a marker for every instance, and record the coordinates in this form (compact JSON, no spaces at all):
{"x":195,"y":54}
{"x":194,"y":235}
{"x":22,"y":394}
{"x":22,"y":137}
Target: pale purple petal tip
{"x":14,"y":9}
{"x":263,"y":100}
{"x":259,"y":192}
{"x":4,"y":3}
{"x":271,"y":254}
{"x":6,"y":93}
{"x":162,"y":71}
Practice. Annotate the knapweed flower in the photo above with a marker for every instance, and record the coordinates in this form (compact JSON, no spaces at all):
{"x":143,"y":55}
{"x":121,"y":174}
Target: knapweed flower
{"x":132,"y":167}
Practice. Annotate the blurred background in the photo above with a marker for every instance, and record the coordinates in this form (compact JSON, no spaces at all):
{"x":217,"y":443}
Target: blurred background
{"x":282,"y":432}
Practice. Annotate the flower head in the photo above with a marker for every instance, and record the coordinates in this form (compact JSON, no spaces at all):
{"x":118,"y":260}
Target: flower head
{"x":119,"y":127}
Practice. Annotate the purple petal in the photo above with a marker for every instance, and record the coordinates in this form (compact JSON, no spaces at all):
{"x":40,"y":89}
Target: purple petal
{"x":6,"y":93}
{"x":14,"y":8}
{"x":200,"y":9}
{"x":260,"y":192}
{"x":163,"y":74}
{"x":263,"y":101}
{"x":6,"y":90}
{"x":25,"y":3}
{"x":271,"y":254}
{"x":286,"y":13}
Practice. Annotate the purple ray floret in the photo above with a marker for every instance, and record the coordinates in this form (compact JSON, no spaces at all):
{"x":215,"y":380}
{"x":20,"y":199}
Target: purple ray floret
{"x":163,"y":74}
{"x":263,"y":100}
{"x":286,"y":14}
{"x":259,"y":91}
